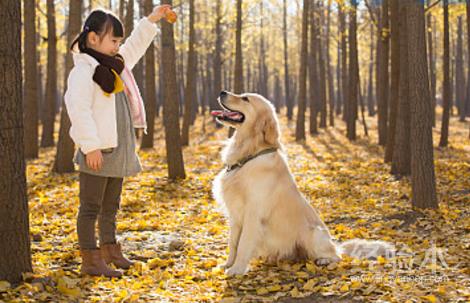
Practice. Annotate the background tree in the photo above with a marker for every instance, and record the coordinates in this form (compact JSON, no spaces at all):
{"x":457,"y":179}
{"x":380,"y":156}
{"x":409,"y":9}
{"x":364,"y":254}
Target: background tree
{"x":382,"y":74}
{"x":446,"y":83}
{"x":65,"y":147}
{"x":423,"y":183}
{"x":174,"y":153}
{"x":49,"y":107}
{"x":288,"y":98}
{"x":150,"y":88}
{"x":459,"y":72}
{"x":30,"y":102}
{"x":191,"y":71}
{"x":353,"y":73}
{"x":300,"y":126}
{"x":14,"y":223}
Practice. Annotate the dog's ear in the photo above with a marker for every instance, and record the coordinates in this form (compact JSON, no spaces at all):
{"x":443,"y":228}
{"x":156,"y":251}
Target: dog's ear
{"x":271,"y":131}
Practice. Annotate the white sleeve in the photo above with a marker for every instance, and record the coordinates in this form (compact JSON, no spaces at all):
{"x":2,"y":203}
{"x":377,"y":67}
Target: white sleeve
{"x":138,"y":42}
{"x":78,"y":101}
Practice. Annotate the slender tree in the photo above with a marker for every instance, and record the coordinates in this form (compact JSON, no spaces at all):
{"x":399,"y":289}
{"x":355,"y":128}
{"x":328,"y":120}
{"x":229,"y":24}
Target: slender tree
{"x":30,"y":104}
{"x":321,"y":65}
{"x":313,"y":76}
{"x":423,"y":181}
{"x":15,"y":252}
{"x":288,"y":98}
{"x":191,"y":70}
{"x":174,"y":152}
{"x":432,"y":62}
{"x":353,"y":73}
{"x":150,"y":88}
{"x":446,"y":83}
{"x":344,"y":58}
{"x":401,"y":160}
{"x":329,"y":68}
{"x":217,"y":61}
{"x":395,"y":77}
{"x":382,"y":83}
{"x":49,"y":107}
{"x":300,"y":126}
{"x":459,"y":72}
{"x":65,"y":147}
{"x":239,"y":87}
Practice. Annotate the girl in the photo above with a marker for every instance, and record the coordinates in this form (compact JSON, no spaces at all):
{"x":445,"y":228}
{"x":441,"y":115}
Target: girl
{"x":104,"y":106}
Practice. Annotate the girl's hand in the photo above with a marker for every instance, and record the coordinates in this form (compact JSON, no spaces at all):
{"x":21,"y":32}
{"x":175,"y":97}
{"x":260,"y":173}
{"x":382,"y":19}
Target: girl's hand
{"x":159,"y":12}
{"x":94,"y":160}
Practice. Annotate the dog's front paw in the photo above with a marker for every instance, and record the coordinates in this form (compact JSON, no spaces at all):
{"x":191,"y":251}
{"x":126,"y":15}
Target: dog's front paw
{"x":323,"y":261}
{"x":236,"y":270}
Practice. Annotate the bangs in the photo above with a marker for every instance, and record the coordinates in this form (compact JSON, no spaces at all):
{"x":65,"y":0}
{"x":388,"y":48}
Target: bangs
{"x":113,"y":26}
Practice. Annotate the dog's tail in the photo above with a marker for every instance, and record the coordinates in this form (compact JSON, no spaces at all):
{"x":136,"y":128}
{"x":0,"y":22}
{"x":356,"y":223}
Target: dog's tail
{"x":370,"y":249}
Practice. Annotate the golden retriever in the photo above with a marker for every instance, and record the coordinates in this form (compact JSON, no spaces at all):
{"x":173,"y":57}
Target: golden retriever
{"x":268,"y":215}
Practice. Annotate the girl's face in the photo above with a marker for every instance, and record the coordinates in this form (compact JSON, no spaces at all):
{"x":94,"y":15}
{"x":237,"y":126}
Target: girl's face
{"x":107,"y":44}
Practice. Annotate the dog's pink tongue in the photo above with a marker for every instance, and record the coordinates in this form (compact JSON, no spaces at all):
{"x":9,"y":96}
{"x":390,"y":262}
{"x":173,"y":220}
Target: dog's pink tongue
{"x":217,"y":113}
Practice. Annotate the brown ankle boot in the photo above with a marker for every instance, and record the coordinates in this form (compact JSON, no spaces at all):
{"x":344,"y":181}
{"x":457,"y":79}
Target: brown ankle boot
{"x":112,"y":253}
{"x":94,"y":265}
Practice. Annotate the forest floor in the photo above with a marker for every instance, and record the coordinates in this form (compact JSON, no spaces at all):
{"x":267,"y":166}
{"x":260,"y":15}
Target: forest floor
{"x":179,"y":233}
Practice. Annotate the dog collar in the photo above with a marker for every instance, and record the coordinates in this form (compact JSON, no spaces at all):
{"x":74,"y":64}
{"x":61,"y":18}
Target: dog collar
{"x":246,"y":159}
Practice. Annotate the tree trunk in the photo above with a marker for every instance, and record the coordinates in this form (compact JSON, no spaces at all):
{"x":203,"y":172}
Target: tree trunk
{"x":288,"y":98}
{"x":170,"y":103}
{"x":14,"y":225}
{"x":446,"y":89}
{"x":401,"y":160}
{"x":344,"y":60}
{"x":150,"y":88}
{"x":300,"y":126}
{"x":467,"y":106}
{"x":238,"y":73}
{"x":122,"y":9}
{"x":217,"y":57}
{"x":331,"y":91}
{"x":459,"y":73}
{"x":30,"y":104}
{"x":47,"y":138}
{"x":432,"y":63}
{"x":321,"y":65}
{"x":370,"y":85}
{"x":382,"y":82}
{"x":191,"y":70}
{"x":395,"y":77}
{"x":63,"y":162}
{"x":263,"y":68}
{"x":353,"y":73}
{"x":423,"y":181}
{"x":313,"y":77}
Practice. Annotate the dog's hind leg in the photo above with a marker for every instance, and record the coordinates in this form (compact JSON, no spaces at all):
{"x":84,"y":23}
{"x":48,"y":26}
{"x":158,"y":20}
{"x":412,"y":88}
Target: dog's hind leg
{"x":249,"y":239}
{"x":234,"y":238}
{"x":320,"y":246}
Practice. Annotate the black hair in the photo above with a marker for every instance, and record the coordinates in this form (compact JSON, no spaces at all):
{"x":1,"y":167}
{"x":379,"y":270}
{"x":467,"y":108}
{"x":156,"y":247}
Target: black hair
{"x":101,"y":22}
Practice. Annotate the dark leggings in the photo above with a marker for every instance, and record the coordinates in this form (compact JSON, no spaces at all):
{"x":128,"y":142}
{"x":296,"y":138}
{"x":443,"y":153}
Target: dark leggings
{"x":99,"y":199}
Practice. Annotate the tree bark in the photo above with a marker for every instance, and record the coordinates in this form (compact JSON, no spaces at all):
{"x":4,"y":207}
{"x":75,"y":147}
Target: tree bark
{"x":288,"y":98}
{"x":300,"y":125}
{"x":395,"y":77}
{"x":150,"y":88}
{"x":49,"y":107}
{"x":191,"y":71}
{"x":14,"y":225}
{"x":313,"y":76}
{"x":459,"y":72}
{"x":353,"y":73}
{"x":321,"y":65}
{"x":170,"y":103}
{"x":344,"y":60}
{"x":446,"y":83}
{"x":329,"y":68}
{"x":401,"y":160}
{"x":63,"y":162}
{"x":432,"y":63}
{"x":30,"y":104}
{"x":217,"y":62}
{"x":382,"y":73}
{"x":423,"y":181}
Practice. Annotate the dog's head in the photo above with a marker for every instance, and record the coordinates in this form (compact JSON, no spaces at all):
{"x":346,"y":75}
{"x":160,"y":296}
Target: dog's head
{"x":250,"y":114}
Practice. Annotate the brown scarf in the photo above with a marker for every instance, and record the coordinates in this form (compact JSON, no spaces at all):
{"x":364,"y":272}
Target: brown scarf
{"x":103,"y":75}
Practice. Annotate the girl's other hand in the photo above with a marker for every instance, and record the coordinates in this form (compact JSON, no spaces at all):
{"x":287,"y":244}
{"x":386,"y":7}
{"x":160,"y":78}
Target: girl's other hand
{"x":94,"y":160}
{"x":159,"y":12}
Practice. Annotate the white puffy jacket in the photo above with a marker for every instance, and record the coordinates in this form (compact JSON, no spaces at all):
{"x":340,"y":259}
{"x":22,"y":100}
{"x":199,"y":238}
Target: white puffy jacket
{"x":92,"y":114}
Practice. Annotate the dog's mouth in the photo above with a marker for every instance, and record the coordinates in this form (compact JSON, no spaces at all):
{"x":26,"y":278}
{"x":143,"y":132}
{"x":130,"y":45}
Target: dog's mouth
{"x":228,"y":115}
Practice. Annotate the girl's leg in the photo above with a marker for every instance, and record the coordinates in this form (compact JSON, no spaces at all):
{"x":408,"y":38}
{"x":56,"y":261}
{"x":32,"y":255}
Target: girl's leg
{"x":107,"y":217}
{"x":92,"y":190}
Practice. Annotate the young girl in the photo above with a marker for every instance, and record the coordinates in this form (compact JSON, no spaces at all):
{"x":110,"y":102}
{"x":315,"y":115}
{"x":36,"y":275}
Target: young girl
{"x":104,"y":106}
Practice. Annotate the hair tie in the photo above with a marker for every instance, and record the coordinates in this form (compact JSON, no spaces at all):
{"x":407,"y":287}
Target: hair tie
{"x":86,"y":28}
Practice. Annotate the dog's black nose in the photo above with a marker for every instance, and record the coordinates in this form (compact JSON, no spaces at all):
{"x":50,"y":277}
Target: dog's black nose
{"x":223,"y":93}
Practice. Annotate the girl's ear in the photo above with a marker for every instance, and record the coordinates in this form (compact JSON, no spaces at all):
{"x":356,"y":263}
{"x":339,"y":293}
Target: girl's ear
{"x":92,"y":38}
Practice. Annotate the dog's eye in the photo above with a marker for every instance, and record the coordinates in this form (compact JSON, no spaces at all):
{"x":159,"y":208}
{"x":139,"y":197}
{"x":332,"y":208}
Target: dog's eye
{"x":245,"y":99}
